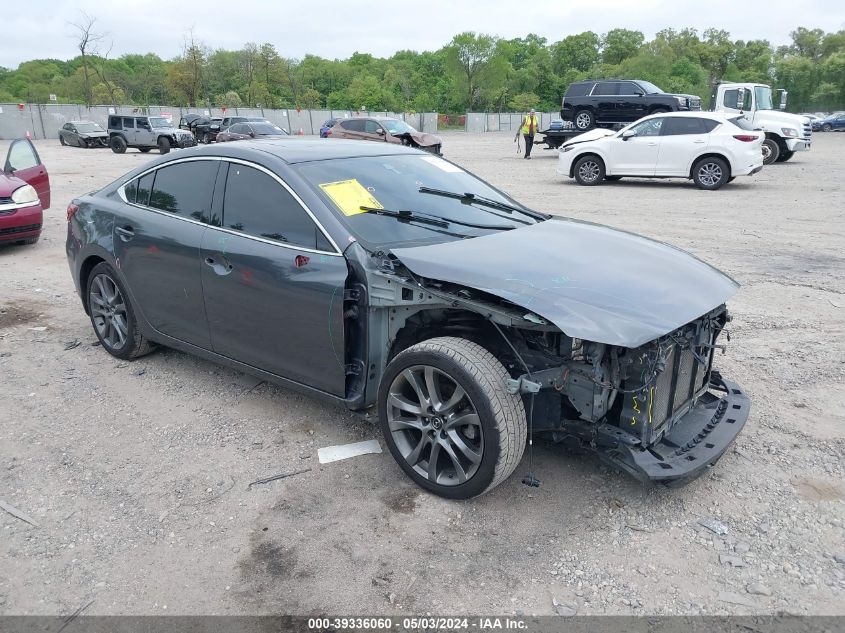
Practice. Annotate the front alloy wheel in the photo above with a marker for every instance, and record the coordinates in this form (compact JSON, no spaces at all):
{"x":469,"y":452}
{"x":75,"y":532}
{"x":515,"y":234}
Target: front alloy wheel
{"x":589,"y":170}
{"x":448,"y":419}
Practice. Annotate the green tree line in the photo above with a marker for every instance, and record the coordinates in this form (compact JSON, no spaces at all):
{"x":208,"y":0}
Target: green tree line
{"x":473,"y":72}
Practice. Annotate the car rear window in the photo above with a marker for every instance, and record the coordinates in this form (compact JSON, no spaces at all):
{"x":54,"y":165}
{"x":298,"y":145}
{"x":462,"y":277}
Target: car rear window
{"x":676,"y":125}
{"x":579,"y":89}
{"x":606,"y":88}
{"x":185,"y":189}
{"x":742,"y":123}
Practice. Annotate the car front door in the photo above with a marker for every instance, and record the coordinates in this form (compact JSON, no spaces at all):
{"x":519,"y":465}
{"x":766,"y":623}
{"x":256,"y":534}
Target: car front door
{"x":373,"y":131}
{"x":839,"y":122}
{"x":144,"y":133}
{"x":157,"y":237}
{"x":681,"y":140}
{"x":636,"y":155}
{"x":631,"y":104}
{"x":23,"y":162}
{"x":273,"y":283}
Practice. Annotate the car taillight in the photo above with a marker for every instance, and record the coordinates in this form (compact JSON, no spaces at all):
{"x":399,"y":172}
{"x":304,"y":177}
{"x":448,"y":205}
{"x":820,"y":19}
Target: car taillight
{"x":71,"y":211}
{"x":746,"y":138}
{"x":328,"y":132}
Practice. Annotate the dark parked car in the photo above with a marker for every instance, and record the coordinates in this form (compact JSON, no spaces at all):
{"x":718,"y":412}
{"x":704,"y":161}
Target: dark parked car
{"x":83,"y":134}
{"x":385,"y":129}
{"x":146,"y":133}
{"x":187,"y":120}
{"x":834,"y":122}
{"x":24,"y":194}
{"x":380,"y":276}
{"x":607,"y":102}
{"x":325,"y":129}
{"x":243,"y":131}
{"x":205,"y":129}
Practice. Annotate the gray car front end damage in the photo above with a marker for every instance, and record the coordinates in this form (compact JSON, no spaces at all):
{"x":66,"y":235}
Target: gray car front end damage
{"x":610,"y":337}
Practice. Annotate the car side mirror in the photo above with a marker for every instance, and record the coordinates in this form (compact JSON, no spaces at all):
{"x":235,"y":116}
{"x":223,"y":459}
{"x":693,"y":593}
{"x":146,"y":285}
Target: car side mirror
{"x":252,"y":134}
{"x":380,"y":132}
{"x":628,"y":134}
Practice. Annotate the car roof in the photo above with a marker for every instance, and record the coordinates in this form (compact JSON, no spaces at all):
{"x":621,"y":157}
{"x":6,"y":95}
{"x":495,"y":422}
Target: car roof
{"x":376,"y":118}
{"x":698,"y":114}
{"x":291,"y":149}
{"x":75,"y":122}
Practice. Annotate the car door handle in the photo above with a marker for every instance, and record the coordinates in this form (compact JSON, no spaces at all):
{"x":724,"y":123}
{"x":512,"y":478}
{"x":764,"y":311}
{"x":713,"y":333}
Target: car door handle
{"x":698,"y":142}
{"x":652,"y":144}
{"x":222,"y":267}
{"x":126,"y":233}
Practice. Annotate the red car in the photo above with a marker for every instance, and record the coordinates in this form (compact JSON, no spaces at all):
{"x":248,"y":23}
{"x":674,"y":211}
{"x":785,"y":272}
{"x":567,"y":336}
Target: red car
{"x":24,"y":194}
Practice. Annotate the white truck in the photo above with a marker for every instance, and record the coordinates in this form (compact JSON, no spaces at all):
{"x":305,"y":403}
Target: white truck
{"x":785,"y":133}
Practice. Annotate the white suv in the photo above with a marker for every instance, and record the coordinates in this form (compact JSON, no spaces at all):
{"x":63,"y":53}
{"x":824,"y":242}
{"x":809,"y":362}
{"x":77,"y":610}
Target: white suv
{"x":709,"y":148}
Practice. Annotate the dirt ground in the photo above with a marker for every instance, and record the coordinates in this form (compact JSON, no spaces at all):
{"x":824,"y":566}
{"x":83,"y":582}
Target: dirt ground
{"x":137,"y":473}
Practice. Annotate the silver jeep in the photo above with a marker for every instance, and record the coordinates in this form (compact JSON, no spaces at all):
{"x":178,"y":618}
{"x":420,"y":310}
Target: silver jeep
{"x":146,"y":133}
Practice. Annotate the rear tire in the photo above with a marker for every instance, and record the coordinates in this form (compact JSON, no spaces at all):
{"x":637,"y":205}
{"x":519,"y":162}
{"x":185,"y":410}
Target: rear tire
{"x":206,"y":138}
{"x":448,"y":419}
{"x":771,"y":151}
{"x":584,"y":120}
{"x":711,"y":173}
{"x":588,"y":170}
{"x":118,"y":144}
{"x":112,"y":315}
{"x":785,"y":155}
{"x":163,"y":145}
{"x":612,"y":178}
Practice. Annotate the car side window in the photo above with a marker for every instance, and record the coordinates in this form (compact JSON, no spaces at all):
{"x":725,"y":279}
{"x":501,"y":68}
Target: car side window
{"x":185,"y":189}
{"x":676,"y":126}
{"x":145,"y":185}
{"x":238,"y":128}
{"x":67,"y":126}
{"x":22,"y":155}
{"x":371,"y":127}
{"x":256,"y":204}
{"x":628,"y":88}
{"x":142,"y":124}
{"x":128,"y":123}
{"x":649,"y":128}
{"x":353,"y":126}
{"x":606,"y":88}
{"x":730,"y":97}
{"x":709,"y":125}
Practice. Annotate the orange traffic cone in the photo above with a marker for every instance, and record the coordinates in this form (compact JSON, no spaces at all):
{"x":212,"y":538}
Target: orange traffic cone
{"x":301,"y":132}
{"x":28,"y":135}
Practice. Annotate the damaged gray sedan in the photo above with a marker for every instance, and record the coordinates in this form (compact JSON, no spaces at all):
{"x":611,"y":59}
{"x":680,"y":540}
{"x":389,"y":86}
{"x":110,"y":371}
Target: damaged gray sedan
{"x":383,"y":277}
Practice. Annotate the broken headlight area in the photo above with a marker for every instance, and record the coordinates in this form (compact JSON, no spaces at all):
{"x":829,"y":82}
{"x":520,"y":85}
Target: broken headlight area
{"x":654,"y":411}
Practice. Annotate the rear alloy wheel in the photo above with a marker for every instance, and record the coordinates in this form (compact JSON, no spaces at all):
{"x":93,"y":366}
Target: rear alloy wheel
{"x":448,"y":419}
{"x":163,"y":145}
{"x":711,"y":173}
{"x":584,"y":120}
{"x":771,"y":151}
{"x":118,"y":144}
{"x":589,"y":170}
{"x":112,"y":315}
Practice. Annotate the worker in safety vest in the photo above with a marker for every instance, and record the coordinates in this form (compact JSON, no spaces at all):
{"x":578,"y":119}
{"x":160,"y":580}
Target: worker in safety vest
{"x":530,"y":123}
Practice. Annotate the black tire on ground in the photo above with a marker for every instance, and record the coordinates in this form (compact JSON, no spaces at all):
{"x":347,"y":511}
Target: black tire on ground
{"x":827,"y":127}
{"x":785,"y":155}
{"x":163,"y":144}
{"x":612,"y":178}
{"x":102,"y":281}
{"x":28,"y":241}
{"x":732,"y":178}
{"x":454,"y":380}
{"x":771,"y":151}
{"x":589,"y":170}
{"x":711,"y":173}
{"x":117,"y":144}
{"x":144,"y":150}
{"x":84,"y":143}
{"x":62,"y":140}
{"x":206,"y":138}
{"x":584,"y":120}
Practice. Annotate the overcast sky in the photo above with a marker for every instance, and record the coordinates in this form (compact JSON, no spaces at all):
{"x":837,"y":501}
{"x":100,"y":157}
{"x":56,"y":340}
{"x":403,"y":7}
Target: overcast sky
{"x":336,"y":29}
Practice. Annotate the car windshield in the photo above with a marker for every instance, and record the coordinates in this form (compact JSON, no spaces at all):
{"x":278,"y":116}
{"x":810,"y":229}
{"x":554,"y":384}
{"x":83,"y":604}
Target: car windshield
{"x":158,"y":121}
{"x":649,"y":87}
{"x":266,"y":129}
{"x":763,"y":97}
{"x":394,"y":182}
{"x":395,"y":126}
{"x":88,"y":127}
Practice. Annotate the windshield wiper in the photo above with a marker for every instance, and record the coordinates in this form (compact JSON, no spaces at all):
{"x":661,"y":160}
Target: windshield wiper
{"x":470,"y":198}
{"x":433,"y":220}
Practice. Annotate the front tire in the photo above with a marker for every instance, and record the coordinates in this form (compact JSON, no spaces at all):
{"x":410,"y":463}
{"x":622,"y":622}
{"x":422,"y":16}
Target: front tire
{"x":711,"y":173}
{"x":62,"y":140}
{"x":589,"y":170}
{"x":112,"y":315}
{"x":448,"y":419}
{"x":584,"y":120}
{"x":785,"y":155}
{"x":118,"y":144}
{"x":827,"y":127}
{"x":771,"y":151}
{"x":206,"y":138}
{"x":163,"y":145}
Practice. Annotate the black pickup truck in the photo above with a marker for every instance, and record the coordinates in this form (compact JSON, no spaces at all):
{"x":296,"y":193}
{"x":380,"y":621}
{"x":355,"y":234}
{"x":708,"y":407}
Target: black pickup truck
{"x":605,"y":102}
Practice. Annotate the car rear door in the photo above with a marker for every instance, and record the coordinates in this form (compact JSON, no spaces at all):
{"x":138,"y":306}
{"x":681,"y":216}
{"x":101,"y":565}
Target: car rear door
{"x":682,"y":138}
{"x":157,"y":236}
{"x":604,"y":99}
{"x":23,"y":162}
{"x":273,"y":283}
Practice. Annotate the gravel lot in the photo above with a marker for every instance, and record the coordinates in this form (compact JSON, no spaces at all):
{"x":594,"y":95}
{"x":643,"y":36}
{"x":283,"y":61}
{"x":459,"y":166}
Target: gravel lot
{"x":137,"y":473}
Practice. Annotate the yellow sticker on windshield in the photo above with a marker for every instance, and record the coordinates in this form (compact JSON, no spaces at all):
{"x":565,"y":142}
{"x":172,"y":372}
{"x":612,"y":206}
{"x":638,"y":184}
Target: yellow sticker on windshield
{"x":350,"y":196}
